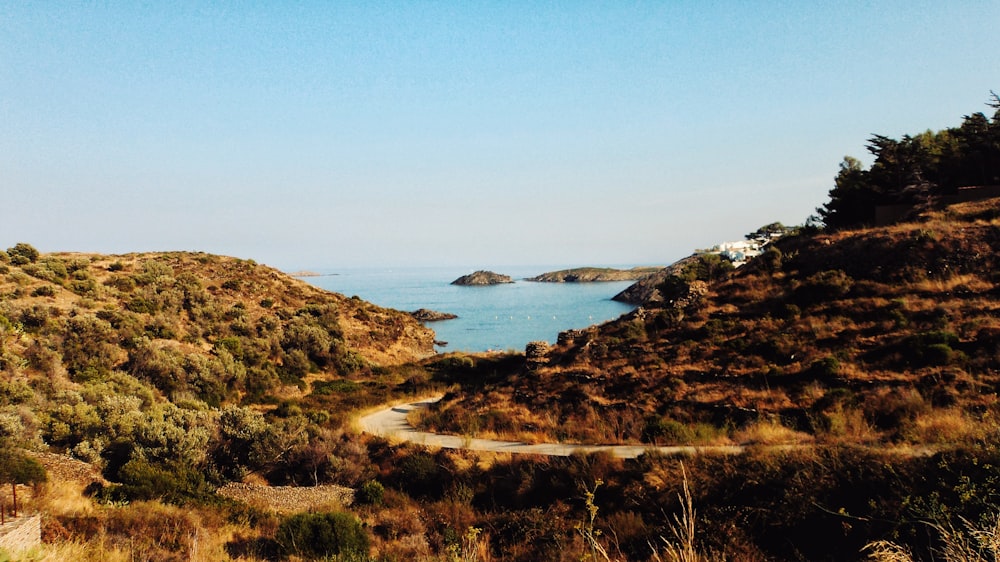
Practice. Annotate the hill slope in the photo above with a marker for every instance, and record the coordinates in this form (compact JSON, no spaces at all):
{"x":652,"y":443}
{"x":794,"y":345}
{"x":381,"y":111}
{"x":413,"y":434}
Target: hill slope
{"x":866,"y":335}
{"x":78,"y":332}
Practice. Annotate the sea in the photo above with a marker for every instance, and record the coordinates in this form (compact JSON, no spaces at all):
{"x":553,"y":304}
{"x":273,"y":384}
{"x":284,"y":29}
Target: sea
{"x":490,"y":318}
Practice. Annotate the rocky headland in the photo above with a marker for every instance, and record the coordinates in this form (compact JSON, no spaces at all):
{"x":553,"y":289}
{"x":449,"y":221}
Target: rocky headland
{"x":645,"y":290}
{"x":482,"y":278}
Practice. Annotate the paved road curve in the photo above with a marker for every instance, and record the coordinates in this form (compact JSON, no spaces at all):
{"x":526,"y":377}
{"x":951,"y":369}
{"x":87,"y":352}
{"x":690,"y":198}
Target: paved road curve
{"x":392,"y":423}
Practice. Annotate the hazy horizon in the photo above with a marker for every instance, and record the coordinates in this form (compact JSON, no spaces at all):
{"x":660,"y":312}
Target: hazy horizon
{"x":407,"y":134}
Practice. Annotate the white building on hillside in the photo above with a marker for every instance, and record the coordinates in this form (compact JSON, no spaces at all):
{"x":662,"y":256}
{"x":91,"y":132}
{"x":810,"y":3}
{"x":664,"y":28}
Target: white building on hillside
{"x":738,"y":252}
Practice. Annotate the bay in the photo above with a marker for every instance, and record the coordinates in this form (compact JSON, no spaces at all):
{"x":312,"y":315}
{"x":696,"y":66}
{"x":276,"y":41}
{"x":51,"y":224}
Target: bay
{"x":496,"y":317}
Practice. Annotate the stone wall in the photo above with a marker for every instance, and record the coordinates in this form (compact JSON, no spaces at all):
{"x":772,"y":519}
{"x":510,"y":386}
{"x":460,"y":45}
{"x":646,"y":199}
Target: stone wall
{"x":20,"y":534}
{"x":534,"y":354}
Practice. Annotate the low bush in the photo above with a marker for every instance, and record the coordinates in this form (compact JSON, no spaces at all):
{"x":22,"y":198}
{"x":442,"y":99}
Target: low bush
{"x":322,"y":535}
{"x":370,"y":493}
{"x":142,"y":480}
{"x":824,"y":286}
{"x":44,"y":291}
{"x":22,"y":253}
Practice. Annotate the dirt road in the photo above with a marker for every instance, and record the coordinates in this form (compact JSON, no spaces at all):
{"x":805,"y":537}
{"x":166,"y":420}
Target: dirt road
{"x":391,"y":423}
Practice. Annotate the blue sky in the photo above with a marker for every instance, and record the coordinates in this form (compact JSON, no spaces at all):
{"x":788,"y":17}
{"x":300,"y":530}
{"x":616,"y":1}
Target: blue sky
{"x":336,"y":134}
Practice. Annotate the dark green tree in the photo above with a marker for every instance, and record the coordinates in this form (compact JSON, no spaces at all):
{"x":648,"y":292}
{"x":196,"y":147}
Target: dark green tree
{"x":16,"y":467}
{"x":769,"y":232}
{"x":916,"y":170}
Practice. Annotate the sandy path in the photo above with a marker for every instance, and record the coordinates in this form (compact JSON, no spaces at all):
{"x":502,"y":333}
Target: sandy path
{"x":391,"y":423}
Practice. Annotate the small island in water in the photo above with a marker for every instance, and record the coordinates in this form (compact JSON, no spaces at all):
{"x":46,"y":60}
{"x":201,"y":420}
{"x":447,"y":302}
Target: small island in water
{"x":594,"y":274}
{"x":482,"y":278}
{"x":427,"y":315}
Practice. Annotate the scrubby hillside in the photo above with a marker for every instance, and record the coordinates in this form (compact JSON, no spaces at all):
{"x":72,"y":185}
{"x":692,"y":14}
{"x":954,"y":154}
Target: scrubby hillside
{"x":886,"y":334}
{"x":141,"y":351}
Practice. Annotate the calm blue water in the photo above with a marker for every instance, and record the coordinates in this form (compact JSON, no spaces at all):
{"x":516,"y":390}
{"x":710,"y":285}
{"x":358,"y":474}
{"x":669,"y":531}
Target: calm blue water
{"x":497,"y":317}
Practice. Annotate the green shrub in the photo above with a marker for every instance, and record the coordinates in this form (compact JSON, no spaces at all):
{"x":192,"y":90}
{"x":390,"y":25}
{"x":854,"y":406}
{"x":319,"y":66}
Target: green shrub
{"x":673,"y":288}
{"x":16,"y":467}
{"x":824,"y":286}
{"x":708,"y":267}
{"x":938,"y":354}
{"x":340,"y":386}
{"x":322,"y":535}
{"x":141,"y":305}
{"x":931,"y":348}
{"x":122,"y":283}
{"x":44,"y":291}
{"x":22,"y":253}
{"x":153,"y":271}
{"x":83,"y":284}
{"x":34,"y":319}
{"x":771,"y":259}
{"x":370,"y":493}
{"x":57,"y":267}
{"x":667,"y":431}
{"x":826,"y":368}
{"x":143,"y":480}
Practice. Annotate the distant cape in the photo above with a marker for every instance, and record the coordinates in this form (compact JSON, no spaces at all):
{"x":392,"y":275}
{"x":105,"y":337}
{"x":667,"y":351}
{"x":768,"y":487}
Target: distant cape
{"x":594,"y":275}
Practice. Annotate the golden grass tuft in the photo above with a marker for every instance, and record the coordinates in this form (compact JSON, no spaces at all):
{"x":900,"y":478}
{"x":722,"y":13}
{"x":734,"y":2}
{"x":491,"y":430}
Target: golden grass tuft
{"x":61,"y":498}
{"x":770,"y":432}
{"x":946,"y":426}
{"x":848,"y":425}
{"x":965,"y":282}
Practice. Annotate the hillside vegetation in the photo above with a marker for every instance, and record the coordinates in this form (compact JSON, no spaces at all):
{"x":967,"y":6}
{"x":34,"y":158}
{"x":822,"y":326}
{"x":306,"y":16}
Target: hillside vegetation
{"x":143,"y":358}
{"x":880,"y":335}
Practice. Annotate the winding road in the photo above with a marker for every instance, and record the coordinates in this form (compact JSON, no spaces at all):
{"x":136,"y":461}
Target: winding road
{"x":392,"y":423}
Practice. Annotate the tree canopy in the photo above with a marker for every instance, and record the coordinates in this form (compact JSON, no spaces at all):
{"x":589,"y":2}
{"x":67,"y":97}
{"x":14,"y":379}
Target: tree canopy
{"x":916,"y":169}
{"x":18,"y":468}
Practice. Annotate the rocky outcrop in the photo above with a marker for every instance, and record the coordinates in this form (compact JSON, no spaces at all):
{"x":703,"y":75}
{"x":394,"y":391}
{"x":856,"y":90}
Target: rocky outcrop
{"x":427,"y":315}
{"x":594,"y":275}
{"x":645,"y":290}
{"x":482,"y":278}
{"x":572,"y":336}
{"x":534,"y":354}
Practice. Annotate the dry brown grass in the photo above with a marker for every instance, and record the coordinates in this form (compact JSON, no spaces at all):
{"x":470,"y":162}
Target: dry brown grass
{"x":78,"y":551}
{"x":60,"y":498}
{"x":770,"y":432}
{"x":947,"y":426}
{"x":848,"y":425}
{"x":965,"y":282}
